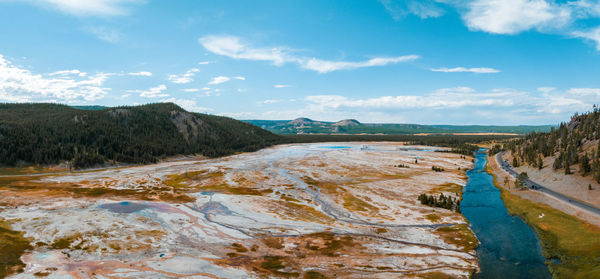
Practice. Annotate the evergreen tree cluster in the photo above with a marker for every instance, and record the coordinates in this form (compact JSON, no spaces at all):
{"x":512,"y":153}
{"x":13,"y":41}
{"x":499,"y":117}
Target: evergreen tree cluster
{"x":437,"y":169}
{"x":51,"y":133}
{"x":566,"y":143}
{"x":447,"y":202}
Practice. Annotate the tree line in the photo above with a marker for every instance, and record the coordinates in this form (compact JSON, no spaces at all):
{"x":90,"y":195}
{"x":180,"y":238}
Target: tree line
{"x":51,"y":133}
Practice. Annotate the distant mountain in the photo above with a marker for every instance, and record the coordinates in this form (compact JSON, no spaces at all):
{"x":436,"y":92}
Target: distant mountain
{"x":90,"y":107}
{"x":352,"y":126}
{"x":347,"y":122}
{"x":51,"y":133}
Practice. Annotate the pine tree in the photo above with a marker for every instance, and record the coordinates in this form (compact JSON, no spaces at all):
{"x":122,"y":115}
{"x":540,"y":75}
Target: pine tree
{"x":585,"y":166}
{"x":540,"y":162}
{"x":567,"y":167}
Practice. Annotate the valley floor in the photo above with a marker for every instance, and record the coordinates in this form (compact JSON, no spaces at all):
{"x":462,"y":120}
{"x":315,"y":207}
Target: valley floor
{"x":312,"y":210}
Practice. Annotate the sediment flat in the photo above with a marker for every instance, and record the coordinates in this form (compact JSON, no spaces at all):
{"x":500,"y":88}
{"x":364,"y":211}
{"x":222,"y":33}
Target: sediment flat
{"x":331,"y":209}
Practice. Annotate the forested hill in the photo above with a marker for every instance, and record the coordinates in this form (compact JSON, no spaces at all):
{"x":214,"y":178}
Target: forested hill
{"x":351,"y":126}
{"x":51,"y":133}
{"x":574,"y":146}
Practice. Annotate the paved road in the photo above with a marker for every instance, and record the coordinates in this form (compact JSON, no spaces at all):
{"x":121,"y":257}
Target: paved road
{"x":538,"y":187}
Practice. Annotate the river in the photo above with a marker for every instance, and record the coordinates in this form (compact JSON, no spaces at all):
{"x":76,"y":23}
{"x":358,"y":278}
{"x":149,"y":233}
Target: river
{"x":509,"y":247}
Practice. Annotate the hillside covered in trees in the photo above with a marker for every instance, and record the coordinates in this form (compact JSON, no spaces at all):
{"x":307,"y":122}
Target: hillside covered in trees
{"x":351,"y":126}
{"x":51,"y":133}
{"x":574,"y":146}
{"x":87,"y":136}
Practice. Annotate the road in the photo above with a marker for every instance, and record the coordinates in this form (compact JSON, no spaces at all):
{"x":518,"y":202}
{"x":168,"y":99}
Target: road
{"x":538,"y":187}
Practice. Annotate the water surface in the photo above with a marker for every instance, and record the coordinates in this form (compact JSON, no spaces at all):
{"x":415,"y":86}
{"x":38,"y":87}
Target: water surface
{"x":124,"y":207}
{"x":509,"y":247}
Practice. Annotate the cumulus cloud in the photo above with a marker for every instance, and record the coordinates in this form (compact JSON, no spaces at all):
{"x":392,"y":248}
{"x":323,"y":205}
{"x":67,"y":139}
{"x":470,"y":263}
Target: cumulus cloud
{"x":89,"y":7}
{"x":21,"y":85}
{"x":267,"y":102}
{"x":239,"y":78}
{"x":522,"y":105}
{"x":514,"y":16}
{"x":443,"y":98}
{"x":154,"y":92}
{"x":142,"y":73}
{"x":184,"y":78}
{"x":233,"y":47}
{"x":191,"y":90}
{"x":567,"y":18}
{"x":470,"y":70}
{"x":280,"y":86}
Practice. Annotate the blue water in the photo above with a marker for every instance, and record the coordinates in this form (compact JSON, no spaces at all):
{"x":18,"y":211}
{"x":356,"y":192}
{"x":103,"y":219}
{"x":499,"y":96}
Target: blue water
{"x":124,"y":207}
{"x":335,"y":147}
{"x":509,"y":247}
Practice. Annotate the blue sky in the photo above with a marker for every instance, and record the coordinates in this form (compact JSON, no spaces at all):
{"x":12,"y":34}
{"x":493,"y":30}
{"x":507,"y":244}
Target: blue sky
{"x":430,"y":62}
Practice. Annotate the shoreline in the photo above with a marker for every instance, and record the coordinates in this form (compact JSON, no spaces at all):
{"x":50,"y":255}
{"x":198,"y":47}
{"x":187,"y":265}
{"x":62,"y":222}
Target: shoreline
{"x":570,"y":245}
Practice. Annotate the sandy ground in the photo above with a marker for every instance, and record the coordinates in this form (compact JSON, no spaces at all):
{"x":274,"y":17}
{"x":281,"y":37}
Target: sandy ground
{"x":339,"y":209}
{"x":554,"y":181}
{"x":574,"y":185}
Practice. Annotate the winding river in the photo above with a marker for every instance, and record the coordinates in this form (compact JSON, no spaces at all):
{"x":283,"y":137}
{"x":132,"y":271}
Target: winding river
{"x":509,"y":247}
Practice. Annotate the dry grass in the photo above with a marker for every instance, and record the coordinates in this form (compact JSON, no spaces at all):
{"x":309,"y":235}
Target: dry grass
{"x":304,"y":213}
{"x":459,"y":235}
{"x":353,"y":203}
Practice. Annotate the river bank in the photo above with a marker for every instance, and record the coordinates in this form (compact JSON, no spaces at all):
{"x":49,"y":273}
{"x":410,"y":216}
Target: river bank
{"x":572,"y":246}
{"x":508,"y":247}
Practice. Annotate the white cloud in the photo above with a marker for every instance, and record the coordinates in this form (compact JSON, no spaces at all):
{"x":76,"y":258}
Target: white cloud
{"x":154,"y":92}
{"x":422,"y":8}
{"x":233,"y":47}
{"x":591,"y":35}
{"x":267,"y":102}
{"x":89,"y":7}
{"x":142,"y":73}
{"x":205,"y":62}
{"x":183,"y":78}
{"x":280,"y":86}
{"x":471,"y":70}
{"x":514,"y":16}
{"x":205,"y":88}
{"x":104,"y":33}
{"x":219,"y":80}
{"x":440,"y":99}
{"x":21,"y":85}
{"x":325,"y":66}
{"x":68,"y":72}
{"x":584,"y":91}
{"x":546,"y":89}
{"x":189,"y":105}
{"x":191,"y":90}
{"x":239,"y":78}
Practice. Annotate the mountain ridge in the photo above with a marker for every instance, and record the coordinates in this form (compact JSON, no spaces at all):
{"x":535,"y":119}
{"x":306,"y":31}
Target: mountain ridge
{"x":303,"y":125}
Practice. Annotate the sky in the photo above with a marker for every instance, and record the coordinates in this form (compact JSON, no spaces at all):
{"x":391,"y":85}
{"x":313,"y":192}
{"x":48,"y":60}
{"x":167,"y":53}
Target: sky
{"x":491,"y":62}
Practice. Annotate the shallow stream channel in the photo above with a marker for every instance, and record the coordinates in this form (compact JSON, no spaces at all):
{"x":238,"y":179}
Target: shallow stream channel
{"x":509,"y":248}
